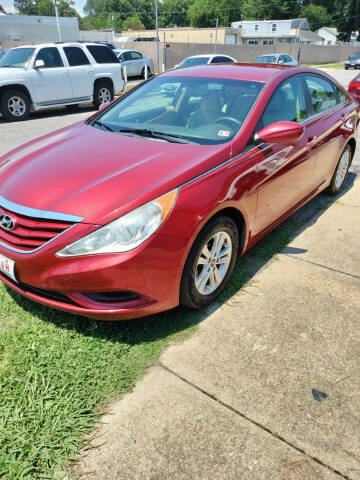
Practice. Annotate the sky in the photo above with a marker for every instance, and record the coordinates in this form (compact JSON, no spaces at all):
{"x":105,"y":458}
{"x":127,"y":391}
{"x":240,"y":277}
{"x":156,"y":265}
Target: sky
{"x":9,"y":5}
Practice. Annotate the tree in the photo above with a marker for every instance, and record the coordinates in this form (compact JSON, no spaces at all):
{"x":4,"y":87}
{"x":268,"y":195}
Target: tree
{"x":26,"y":7}
{"x":203,"y":13}
{"x":121,"y":10}
{"x":174,"y":13}
{"x":2,"y":9}
{"x":133,"y":23}
{"x":268,"y":9}
{"x":316,"y":15}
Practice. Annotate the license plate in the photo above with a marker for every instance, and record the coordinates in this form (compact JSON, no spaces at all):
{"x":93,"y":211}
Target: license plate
{"x":7,"y":266}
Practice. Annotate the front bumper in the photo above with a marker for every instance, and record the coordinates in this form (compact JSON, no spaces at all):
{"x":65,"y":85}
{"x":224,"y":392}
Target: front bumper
{"x":152,"y":272}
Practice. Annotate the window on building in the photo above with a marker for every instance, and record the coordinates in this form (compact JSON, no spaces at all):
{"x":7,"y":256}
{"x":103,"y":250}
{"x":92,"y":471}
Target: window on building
{"x":256,"y":28}
{"x":273,"y":27}
{"x":253,"y":42}
{"x":268,"y":42}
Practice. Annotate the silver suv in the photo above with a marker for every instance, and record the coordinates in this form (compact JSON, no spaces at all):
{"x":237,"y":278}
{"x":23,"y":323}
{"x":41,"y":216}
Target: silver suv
{"x":41,"y":76}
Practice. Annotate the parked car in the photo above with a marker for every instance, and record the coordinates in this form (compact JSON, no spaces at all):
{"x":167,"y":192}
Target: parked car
{"x":354,"y":88}
{"x":42,"y":76}
{"x":277,"y":58}
{"x":353,"y":61}
{"x":149,"y":203}
{"x":205,"y":59}
{"x":136,"y":63}
{"x":107,"y":44}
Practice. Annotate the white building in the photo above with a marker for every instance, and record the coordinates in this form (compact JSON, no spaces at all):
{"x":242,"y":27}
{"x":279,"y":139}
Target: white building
{"x":329,"y":34}
{"x":266,"y":32}
{"x":33,"y":29}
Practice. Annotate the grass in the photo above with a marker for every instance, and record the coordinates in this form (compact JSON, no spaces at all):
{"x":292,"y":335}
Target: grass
{"x":59,"y":372}
{"x":325,"y":65}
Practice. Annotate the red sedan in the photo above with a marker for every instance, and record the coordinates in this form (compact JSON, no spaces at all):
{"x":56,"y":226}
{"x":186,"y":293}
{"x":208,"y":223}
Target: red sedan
{"x":147,"y":204}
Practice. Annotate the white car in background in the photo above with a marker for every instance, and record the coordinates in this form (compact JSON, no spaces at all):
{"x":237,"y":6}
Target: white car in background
{"x":136,"y":63}
{"x":36,"y":77}
{"x":277,"y":58}
{"x":205,"y":59}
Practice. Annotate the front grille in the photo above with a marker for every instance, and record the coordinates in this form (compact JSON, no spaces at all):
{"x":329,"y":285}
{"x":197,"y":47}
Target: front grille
{"x":30,"y":233}
{"x":48,"y":294}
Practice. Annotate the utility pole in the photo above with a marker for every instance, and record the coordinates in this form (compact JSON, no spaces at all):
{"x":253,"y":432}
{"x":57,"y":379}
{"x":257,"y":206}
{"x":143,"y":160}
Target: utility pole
{"x":157,"y":36}
{"x":216,"y":33}
{"x":57,"y":22}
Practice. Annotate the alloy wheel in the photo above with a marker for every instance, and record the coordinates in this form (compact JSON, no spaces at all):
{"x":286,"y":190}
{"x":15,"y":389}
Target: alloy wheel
{"x":213,"y":263}
{"x":342,"y":169}
{"x":16,"y":106}
{"x":104,"y":95}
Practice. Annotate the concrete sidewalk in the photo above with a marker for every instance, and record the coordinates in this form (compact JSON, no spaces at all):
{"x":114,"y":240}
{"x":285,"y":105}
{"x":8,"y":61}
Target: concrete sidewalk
{"x":269,"y":386}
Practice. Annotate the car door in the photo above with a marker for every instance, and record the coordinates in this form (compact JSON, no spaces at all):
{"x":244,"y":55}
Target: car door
{"x":285,"y":171}
{"x":126,"y":61}
{"x":137,"y":62}
{"x":51,"y":83}
{"x":325,"y":124}
{"x":81,"y":72}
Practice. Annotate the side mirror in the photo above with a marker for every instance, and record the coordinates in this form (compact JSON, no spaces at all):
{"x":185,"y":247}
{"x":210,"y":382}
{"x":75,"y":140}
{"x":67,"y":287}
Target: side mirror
{"x":280,"y":132}
{"x":39,"y":64}
{"x":104,"y":105}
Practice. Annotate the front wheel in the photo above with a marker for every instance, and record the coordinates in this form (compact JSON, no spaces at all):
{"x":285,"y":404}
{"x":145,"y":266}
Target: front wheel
{"x":210,"y":263}
{"x":103,"y":93}
{"x":341,"y":171}
{"x":15,"y":105}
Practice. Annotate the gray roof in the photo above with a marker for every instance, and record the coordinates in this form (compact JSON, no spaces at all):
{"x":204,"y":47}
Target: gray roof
{"x":308,"y":35}
{"x":331,"y":30}
{"x":301,"y":23}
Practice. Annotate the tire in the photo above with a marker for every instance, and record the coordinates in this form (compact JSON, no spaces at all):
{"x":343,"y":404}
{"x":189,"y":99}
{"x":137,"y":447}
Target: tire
{"x":341,"y":171}
{"x":15,"y":105}
{"x":196,"y":291}
{"x":103,"y":92}
{"x":143,"y":72}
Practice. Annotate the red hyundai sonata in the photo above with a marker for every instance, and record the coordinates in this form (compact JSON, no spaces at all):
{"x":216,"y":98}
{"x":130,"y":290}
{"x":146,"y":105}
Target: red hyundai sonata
{"x":147,"y":204}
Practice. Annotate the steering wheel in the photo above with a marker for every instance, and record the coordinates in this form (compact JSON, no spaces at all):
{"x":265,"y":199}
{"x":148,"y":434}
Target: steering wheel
{"x":228,"y":119}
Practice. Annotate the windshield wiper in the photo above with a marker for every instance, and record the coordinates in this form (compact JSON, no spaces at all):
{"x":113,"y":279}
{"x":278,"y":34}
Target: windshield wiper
{"x":103,"y":126}
{"x":145,"y":132}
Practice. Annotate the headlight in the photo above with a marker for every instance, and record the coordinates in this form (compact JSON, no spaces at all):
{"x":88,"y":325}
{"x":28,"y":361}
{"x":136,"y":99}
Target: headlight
{"x":125,"y":233}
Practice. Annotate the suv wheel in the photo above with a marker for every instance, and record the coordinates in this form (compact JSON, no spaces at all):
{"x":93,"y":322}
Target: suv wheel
{"x":103,"y":93}
{"x":210,"y":263}
{"x":15,"y":105}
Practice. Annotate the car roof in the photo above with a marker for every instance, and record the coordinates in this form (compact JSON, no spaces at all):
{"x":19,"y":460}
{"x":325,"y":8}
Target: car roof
{"x":56,"y":44}
{"x":240,"y":71}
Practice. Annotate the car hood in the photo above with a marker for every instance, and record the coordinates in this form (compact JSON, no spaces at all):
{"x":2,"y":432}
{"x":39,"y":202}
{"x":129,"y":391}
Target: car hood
{"x":97,"y":175}
{"x":12,"y":74}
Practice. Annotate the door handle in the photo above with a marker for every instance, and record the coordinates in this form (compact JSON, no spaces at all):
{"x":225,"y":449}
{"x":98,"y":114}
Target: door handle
{"x":64,"y":74}
{"x":311,"y":141}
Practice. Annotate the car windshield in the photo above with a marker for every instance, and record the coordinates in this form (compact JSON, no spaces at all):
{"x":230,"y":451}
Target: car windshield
{"x":16,"y":58}
{"x":266,"y":59}
{"x":193,"y":61}
{"x":205,"y":111}
{"x":354,"y":56}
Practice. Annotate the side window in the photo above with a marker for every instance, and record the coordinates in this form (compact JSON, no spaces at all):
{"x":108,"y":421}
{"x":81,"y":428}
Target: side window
{"x":125,"y":57}
{"x":102,"y":54}
{"x":220,"y":59}
{"x":341,"y":96}
{"x":282,"y":59}
{"x":322,"y":93}
{"x":51,"y":57}
{"x":287,"y":58}
{"x":76,"y":56}
{"x":287,"y":103}
{"x":136,"y":56}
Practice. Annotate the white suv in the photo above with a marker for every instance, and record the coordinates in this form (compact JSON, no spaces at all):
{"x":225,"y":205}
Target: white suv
{"x":42,"y":76}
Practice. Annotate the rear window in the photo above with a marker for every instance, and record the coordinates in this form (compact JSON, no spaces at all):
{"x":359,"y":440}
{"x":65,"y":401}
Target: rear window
{"x":102,"y":54}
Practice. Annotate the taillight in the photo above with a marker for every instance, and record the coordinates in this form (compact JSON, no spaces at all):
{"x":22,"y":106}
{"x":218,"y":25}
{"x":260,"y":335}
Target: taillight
{"x":354,"y":85}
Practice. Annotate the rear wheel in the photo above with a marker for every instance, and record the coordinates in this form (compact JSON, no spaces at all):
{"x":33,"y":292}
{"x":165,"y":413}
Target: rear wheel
{"x":143,"y":73}
{"x":341,"y":171}
{"x":15,"y":105}
{"x":103,"y":93}
{"x":210,"y":263}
